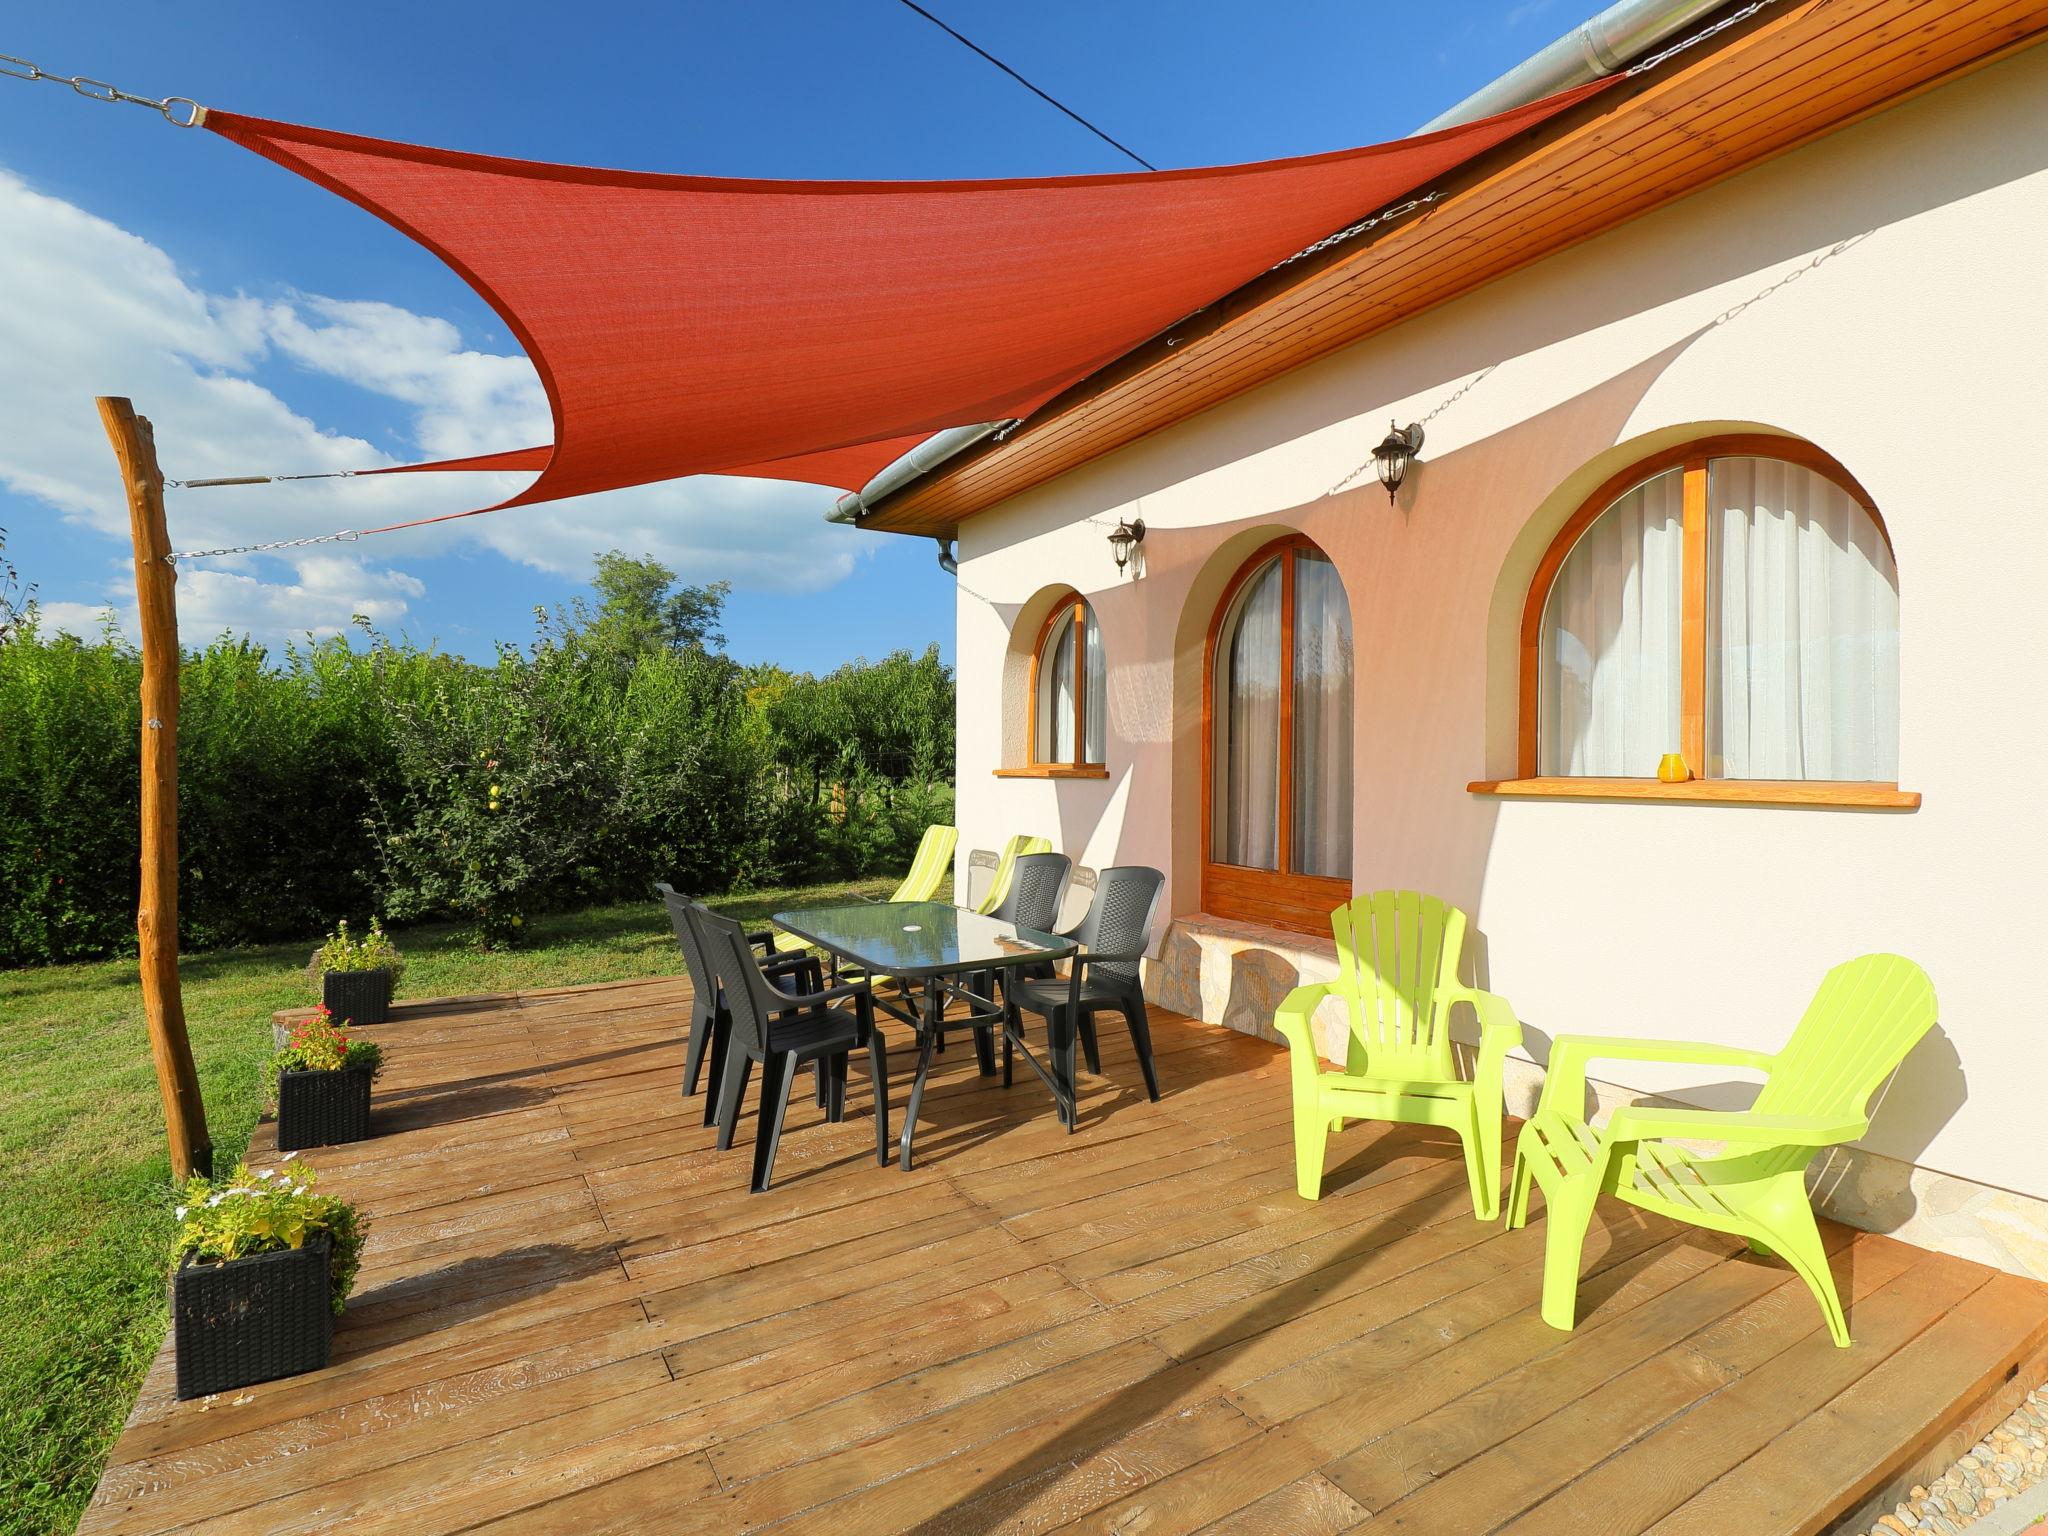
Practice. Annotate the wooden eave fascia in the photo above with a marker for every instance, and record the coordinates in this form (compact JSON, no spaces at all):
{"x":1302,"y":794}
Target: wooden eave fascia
{"x":1792,"y":74}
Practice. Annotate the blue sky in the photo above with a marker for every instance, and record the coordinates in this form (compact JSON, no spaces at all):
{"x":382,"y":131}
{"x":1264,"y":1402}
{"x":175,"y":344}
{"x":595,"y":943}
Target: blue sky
{"x":267,"y":326}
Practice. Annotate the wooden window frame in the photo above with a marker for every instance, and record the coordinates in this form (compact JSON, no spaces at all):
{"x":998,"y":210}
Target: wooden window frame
{"x":1071,"y":609}
{"x":1692,"y":458}
{"x":1277,"y":898}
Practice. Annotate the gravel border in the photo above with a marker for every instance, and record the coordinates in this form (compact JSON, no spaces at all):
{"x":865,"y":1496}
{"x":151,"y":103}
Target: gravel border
{"x":2008,"y":1462}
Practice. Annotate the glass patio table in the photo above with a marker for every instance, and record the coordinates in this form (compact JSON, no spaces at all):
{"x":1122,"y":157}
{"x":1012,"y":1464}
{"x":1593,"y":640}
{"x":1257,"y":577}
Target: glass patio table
{"x":931,"y":948}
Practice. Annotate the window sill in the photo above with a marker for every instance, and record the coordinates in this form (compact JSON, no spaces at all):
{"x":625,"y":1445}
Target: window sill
{"x":1860,"y":796}
{"x":1055,"y":771}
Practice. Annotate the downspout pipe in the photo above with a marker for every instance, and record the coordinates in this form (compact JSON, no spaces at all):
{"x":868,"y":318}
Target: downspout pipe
{"x":1608,"y":42}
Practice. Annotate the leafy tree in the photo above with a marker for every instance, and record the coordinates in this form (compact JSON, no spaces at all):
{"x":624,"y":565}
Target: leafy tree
{"x":641,"y":610}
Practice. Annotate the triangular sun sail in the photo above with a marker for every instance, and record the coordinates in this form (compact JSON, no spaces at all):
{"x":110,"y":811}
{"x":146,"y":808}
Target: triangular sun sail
{"x":817,"y":330}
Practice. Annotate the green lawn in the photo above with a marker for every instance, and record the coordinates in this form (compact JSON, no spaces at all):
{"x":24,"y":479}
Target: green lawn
{"x":86,"y":1219}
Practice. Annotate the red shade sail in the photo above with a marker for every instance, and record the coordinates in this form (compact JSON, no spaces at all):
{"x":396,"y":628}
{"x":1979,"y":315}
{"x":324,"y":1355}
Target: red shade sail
{"x":850,"y":467}
{"x":510,"y":458}
{"x":689,"y":325}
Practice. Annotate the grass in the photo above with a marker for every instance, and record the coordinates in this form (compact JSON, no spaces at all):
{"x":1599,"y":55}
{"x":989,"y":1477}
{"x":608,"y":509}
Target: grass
{"x":85,"y":1220}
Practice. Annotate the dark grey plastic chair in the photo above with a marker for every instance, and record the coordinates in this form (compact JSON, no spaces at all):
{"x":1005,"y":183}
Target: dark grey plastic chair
{"x":1037,"y":882}
{"x":710,"y":1023}
{"x":784,"y":1031}
{"x":1114,"y":936}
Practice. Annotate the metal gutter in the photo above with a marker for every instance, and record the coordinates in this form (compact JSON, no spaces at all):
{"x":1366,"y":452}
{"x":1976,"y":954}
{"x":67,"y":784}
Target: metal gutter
{"x":920,"y":461}
{"x":1602,"y":45}
{"x":1609,"y":42}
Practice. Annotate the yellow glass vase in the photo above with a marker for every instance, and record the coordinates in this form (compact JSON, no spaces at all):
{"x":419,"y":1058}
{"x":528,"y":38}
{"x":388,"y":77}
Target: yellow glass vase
{"x":1671,"y":768}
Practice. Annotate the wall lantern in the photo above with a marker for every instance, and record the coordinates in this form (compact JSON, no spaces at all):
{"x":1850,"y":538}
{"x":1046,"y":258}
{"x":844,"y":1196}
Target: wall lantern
{"x":1391,"y":459}
{"x":948,"y":561}
{"x":1123,"y":539}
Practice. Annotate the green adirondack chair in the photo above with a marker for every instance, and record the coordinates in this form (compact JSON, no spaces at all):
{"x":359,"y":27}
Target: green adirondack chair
{"x":927,"y":872}
{"x":1866,"y":1016}
{"x":1397,"y":971}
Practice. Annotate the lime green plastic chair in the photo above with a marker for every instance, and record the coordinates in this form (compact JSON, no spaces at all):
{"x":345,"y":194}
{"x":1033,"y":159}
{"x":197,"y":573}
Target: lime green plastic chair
{"x":1006,"y":867}
{"x":928,"y":871}
{"x":1867,"y":1015}
{"x":1397,"y":971}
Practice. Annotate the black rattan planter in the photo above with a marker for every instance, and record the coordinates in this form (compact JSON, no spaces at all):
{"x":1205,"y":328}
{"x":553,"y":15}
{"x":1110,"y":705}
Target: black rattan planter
{"x":357,"y":997}
{"x":253,"y":1319}
{"x":322,"y":1109}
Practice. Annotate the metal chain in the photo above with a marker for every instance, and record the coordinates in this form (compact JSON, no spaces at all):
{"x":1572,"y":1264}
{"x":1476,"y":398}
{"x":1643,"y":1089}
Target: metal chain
{"x":191,"y":115}
{"x":1361,"y":227}
{"x":1733,"y":19}
{"x":1452,"y":399}
{"x":344,"y":536}
{"x":328,"y":474}
{"x":1820,"y":258}
{"x":1434,"y":411}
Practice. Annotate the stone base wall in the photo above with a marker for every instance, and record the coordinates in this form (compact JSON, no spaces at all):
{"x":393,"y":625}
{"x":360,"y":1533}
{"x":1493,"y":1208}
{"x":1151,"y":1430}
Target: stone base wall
{"x":1236,"y":974}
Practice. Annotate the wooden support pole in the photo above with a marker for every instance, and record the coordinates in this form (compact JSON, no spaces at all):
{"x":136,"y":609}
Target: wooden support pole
{"x":156,"y":914}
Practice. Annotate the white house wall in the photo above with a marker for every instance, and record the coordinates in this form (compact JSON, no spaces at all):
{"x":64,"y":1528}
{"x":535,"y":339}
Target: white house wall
{"x":1881,"y":294}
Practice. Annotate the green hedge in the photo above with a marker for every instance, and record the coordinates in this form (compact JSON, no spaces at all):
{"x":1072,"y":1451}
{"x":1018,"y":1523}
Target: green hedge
{"x":336,"y":779}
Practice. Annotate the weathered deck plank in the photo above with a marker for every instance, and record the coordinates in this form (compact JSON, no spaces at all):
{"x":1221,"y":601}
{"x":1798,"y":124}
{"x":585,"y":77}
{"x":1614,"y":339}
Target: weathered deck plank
{"x":573,"y":1316}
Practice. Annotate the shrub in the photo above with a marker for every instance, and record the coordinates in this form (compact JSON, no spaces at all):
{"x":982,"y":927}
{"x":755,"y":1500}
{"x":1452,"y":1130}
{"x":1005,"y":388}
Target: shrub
{"x":499,"y":792}
{"x":618,"y":748}
{"x":265,"y":1212}
{"x":691,"y":762}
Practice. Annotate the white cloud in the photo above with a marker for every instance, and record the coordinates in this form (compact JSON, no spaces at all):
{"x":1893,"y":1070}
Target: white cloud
{"x":93,"y":309}
{"x":323,"y":597}
{"x":327,"y":592}
{"x":81,"y":619}
{"x":467,"y":401}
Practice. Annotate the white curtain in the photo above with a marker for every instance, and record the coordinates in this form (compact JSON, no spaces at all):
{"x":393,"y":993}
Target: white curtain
{"x":1096,"y":703}
{"x":1056,"y":693}
{"x":1322,"y":719}
{"x":1245,"y":788}
{"x":1608,"y":683}
{"x":1802,"y":629}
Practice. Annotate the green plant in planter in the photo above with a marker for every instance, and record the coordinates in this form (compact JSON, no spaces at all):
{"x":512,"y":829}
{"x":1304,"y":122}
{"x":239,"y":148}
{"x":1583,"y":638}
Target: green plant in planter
{"x":356,"y":977}
{"x":319,"y":1044}
{"x":267,"y":1211}
{"x":343,"y":953}
{"x":323,"y":1084}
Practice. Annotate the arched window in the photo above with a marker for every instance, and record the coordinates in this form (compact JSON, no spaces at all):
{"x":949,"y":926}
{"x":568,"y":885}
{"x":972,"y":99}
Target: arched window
{"x":1733,"y":601}
{"x":1277,"y":746}
{"x":1068,"y":713}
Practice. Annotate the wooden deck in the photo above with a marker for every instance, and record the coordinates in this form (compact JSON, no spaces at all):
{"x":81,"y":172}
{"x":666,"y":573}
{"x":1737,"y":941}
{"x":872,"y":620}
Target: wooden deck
{"x":574,"y":1318}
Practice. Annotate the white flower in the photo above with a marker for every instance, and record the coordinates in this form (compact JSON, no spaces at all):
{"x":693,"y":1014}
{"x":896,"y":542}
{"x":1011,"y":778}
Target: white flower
{"x":181,"y":1213}
{"x":267,"y":1173}
{"x":288,"y":1157}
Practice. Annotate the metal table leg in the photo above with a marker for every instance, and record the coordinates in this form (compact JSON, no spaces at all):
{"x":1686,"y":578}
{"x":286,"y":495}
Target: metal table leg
{"x":984,"y":1034}
{"x":927,"y":1043}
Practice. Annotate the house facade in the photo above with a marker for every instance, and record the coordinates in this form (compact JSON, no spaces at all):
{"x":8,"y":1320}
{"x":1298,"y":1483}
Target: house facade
{"x":1750,"y":479}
